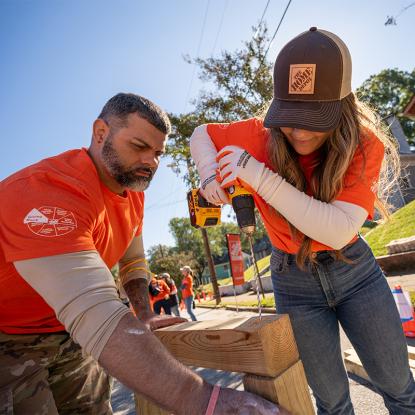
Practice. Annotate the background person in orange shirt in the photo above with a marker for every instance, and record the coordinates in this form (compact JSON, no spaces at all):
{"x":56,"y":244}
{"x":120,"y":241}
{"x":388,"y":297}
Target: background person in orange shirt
{"x":313,"y":166}
{"x":174,"y":299}
{"x":67,"y":221}
{"x":161,"y":299}
{"x":187,"y":290}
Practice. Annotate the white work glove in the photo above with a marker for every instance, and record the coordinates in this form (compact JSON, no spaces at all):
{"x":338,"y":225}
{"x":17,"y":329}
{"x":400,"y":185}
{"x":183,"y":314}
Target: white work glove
{"x":204,"y":154}
{"x":238,"y":167}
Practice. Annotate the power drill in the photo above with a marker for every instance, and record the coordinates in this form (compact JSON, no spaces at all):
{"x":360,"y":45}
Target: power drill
{"x":244,"y":207}
{"x":204,"y":214}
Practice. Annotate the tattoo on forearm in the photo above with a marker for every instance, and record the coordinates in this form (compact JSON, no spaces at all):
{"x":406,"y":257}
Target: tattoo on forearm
{"x":137,"y":292}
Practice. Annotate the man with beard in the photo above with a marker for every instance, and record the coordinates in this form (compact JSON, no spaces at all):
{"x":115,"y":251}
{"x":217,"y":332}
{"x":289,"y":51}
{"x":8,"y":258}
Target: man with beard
{"x":68,"y":219}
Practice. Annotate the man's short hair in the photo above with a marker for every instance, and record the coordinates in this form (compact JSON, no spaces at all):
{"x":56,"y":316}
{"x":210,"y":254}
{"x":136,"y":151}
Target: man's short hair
{"x":117,"y":109}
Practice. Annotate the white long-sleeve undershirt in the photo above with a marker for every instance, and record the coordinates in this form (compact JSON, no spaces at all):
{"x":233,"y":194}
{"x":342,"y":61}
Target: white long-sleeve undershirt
{"x":333,"y":224}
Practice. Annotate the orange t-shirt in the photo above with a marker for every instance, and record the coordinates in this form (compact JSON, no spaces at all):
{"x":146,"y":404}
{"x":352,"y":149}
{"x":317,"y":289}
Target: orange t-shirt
{"x":358,"y":182}
{"x":164,"y":290}
{"x":57,"y":206}
{"x":187,"y":284}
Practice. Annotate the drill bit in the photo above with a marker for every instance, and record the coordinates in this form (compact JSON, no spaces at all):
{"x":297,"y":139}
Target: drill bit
{"x":257,"y":277}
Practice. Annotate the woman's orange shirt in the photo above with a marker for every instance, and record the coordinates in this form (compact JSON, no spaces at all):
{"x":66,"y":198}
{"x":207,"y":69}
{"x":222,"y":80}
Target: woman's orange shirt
{"x":359,"y":182}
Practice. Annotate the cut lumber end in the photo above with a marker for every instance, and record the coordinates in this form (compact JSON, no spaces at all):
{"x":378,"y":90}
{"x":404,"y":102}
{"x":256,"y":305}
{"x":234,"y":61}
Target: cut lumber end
{"x":263,"y":346}
{"x":289,"y":389}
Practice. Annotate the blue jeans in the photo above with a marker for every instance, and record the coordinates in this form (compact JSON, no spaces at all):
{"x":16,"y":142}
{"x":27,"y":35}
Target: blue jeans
{"x":189,"y":307}
{"x":358,"y":297}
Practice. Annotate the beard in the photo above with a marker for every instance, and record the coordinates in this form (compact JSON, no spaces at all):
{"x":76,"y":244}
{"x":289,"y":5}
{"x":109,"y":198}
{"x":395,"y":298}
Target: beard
{"x":126,"y":178}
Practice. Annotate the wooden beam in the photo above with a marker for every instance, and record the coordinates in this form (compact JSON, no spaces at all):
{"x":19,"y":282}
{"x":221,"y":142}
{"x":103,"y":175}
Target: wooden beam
{"x":354,"y":365}
{"x":145,"y":407}
{"x":289,"y":389}
{"x":243,"y":344}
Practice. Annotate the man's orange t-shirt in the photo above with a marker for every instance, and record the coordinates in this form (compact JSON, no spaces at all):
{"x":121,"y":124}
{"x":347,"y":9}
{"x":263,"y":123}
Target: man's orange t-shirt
{"x":57,"y":206}
{"x":187,"y":284}
{"x":359,"y":180}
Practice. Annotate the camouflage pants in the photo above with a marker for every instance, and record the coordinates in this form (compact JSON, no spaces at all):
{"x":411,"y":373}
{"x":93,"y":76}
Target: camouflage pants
{"x":45,"y":374}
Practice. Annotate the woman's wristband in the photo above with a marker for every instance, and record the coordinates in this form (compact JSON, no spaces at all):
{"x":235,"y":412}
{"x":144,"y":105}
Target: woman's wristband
{"x":213,"y":400}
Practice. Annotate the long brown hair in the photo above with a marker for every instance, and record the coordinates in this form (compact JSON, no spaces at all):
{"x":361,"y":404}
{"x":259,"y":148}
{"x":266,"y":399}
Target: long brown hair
{"x":336,"y":155}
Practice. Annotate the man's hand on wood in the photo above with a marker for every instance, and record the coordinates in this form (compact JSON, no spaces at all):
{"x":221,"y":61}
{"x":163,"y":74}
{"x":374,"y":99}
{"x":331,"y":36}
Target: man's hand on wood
{"x":155,"y":321}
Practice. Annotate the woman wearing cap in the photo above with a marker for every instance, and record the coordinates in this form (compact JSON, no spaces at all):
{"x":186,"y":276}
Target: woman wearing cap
{"x":317,"y":164}
{"x":187,"y":290}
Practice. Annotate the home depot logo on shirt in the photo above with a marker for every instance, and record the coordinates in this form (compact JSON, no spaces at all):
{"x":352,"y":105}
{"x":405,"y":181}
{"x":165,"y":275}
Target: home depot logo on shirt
{"x":302,"y":78}
{"x":50,"y":221}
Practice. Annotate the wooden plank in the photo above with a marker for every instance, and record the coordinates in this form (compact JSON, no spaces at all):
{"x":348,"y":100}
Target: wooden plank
{"x":351,"y":351}
{"x":145,"y":407}
{"x":242,"y":344}
{"x":289,"y":389}
{"x":348,"y":352}
{"x":354,"y":365}
{"x":411,"y":352}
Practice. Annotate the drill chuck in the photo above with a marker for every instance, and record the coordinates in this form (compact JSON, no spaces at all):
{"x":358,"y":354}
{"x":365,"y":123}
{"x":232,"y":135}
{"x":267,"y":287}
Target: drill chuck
{"x":244,"y":208}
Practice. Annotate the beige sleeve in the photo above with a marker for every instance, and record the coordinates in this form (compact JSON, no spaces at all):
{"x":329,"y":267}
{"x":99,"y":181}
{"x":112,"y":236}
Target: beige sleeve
{"x":334,"y":224}
{"x":80,"y":288}
{"x":133,"y":264}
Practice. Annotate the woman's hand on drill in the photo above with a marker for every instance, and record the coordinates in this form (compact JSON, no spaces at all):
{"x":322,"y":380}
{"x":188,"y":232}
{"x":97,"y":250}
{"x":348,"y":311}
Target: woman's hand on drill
{"x":211,"y":190}
{"x":238,"y":167}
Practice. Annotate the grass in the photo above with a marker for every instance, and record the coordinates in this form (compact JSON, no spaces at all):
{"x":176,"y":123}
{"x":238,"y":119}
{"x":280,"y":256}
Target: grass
{"x":267,"y":302}
{"x":262,"y":263}
{"x":400,"y":225}
{"x":249,"y":273}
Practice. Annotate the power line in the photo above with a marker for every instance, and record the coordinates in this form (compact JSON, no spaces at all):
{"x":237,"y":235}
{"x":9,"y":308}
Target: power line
{"x":197,"y":55}
{"x":269,"y":45}
{"x":220,"y":27}
{"x":276,"y":30}
{"x":175,"y":202}
{"x":162,"y":199}
{"x":262,"y":19}
{"x":391,"y":20}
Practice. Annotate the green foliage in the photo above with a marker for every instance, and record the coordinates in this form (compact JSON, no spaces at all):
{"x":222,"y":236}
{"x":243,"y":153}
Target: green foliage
{"x":178,"y":146}
{"x":389,"y":92}
{"x":400,"y":225}
{"x":242,"y":85}
{"x":189,"y":239}
{"x":242,"y":82}
{"x":163,"y":258}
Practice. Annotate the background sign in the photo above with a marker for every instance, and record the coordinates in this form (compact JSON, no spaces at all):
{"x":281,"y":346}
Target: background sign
{"x":236,"y":258}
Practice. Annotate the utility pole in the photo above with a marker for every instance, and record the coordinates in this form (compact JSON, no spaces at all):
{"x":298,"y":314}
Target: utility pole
{"x":206,"y":245}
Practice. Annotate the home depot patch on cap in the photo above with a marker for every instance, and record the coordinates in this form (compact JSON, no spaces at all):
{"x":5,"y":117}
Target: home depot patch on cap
{"x":312,"y":74}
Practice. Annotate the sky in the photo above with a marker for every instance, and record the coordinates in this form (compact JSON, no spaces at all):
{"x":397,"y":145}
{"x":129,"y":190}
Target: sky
{"x":62,"y":60}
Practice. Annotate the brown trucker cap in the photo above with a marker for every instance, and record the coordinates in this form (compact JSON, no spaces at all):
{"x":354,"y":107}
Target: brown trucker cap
{"x":312,"y":74}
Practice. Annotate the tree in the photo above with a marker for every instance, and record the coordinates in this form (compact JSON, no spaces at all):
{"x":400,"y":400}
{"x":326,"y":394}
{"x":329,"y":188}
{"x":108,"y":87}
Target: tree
{"x":189,"y":239}
{"x":389,"y":92}
{"x":242,"y":82}
{"x":242,"y":86}
{"x":163,"y":258}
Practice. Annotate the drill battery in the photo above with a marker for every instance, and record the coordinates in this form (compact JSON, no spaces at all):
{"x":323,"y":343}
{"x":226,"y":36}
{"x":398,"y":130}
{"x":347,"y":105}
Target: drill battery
{"x":202,"y":213}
